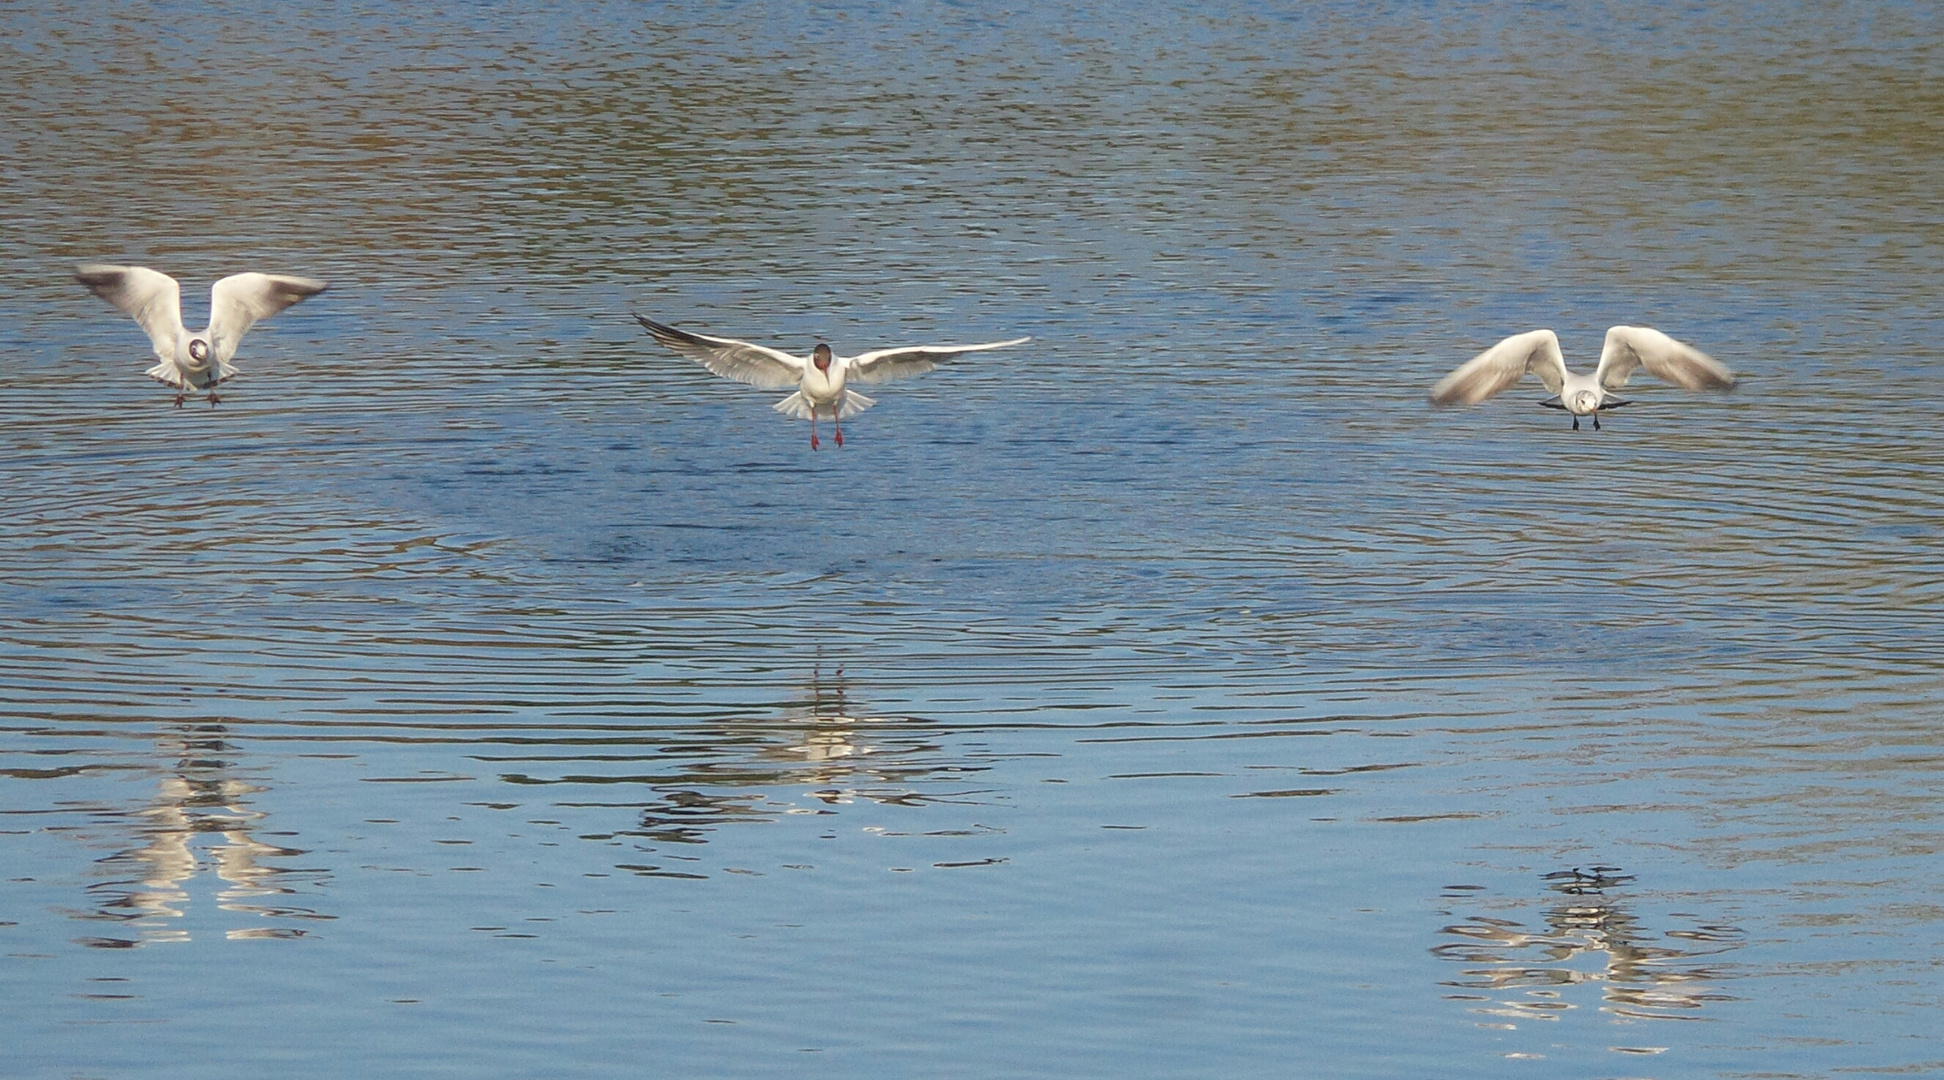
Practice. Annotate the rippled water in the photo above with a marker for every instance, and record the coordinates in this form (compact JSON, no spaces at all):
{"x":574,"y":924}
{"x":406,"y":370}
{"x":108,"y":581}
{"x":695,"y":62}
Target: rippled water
{"x":480,"y":690}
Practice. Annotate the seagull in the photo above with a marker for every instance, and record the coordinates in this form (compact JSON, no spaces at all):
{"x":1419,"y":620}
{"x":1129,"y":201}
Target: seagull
{"x":194,"y":361}
{"x":819,"y":379}
{"x":1537,"y":351}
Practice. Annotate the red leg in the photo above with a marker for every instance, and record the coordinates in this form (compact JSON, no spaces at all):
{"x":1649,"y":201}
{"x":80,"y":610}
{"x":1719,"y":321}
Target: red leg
{"x":813,"y":427}
{"x":839,"y":425}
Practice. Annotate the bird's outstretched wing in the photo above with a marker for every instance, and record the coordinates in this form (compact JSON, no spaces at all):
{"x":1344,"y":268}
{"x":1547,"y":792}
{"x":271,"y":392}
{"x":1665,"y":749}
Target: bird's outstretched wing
{"x":1495,"y":369}
{"x":756,"y":365}
{"x":153,"y":298}
{"x":238,"y":301}
{"x":1630,"y":347}
{"x":883,"y":365}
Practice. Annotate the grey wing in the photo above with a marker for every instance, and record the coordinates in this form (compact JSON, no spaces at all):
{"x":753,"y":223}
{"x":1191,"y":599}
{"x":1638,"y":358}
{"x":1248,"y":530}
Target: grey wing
{"x":1495,"y":369}
{"x":152,"y":298}
{"x":238,"y":301}
{"x":770,"y":369}
{"x":883,"y":365}
{"x":1630,"y":347}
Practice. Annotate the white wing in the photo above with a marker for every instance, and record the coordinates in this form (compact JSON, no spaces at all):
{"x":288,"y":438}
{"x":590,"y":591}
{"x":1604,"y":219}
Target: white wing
{"x":883,"y":365}
{"x":1488,"y":373}
{"x":238,"y":301}
{"x":1630,"y":347}
{"x":756,"y":365}
{"x":154,"y":299}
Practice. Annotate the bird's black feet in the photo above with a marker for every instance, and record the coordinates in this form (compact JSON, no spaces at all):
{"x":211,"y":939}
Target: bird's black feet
{"x":1596,"y":421}
{"x":213,"y":399}
{"x":179,"y":400}
{"x":1575,"y":423}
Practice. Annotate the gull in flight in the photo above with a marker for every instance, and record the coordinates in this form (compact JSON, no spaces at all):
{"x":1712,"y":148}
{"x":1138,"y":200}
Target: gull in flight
{"x":194,"y":361}
{"x":1537,"y":352}
{"x":819,"y":378}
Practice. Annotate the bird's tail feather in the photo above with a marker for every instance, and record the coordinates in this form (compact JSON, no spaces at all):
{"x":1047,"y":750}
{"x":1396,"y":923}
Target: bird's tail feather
{"x":799,"y":406}
{"x":166,"y":372}
{"x":854,"y":403}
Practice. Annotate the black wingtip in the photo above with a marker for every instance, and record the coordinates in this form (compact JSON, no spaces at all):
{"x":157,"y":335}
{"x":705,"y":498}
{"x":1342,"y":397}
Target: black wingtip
{"x":655,"y":328}
{"x":667,"y":334}
{"x":295,"y":291}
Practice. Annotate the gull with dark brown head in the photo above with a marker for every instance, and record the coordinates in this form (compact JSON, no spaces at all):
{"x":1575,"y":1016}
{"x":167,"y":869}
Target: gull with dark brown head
{"x":195,"y":361}
{"x":819,"y":377}
{"x":1537,"y":352}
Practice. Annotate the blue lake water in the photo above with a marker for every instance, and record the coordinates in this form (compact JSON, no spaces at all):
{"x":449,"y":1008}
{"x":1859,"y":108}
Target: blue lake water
{"x":482,"y":690}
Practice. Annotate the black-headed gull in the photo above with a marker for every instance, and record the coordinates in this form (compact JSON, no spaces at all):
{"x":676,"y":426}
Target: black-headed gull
{"x":194,"y":361}
{"x":1537,"y":351}
{"x":819,"y":378}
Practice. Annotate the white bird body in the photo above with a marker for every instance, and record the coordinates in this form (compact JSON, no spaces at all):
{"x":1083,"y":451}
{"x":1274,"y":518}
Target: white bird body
{"x":1537,"y":352}
{"x":1582,"y":395}
{"x":201,"y":360}
{"x":822,"y":390}
{"x":819,"y":378}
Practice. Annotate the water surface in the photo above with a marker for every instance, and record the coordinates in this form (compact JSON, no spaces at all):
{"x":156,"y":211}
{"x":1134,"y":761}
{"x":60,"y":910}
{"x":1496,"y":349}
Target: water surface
{"x":480,"y":690}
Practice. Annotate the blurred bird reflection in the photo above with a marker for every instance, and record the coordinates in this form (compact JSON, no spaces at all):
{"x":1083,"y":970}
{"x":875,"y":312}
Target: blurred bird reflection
{"x":197,"y":819}
{"x":814,"y":750}
{"x":1589,"y":939}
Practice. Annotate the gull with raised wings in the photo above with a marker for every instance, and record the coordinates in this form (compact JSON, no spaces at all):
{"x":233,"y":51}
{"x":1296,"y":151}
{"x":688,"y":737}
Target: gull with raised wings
{"x":194,"y":361}
{"x":819,"y":377}
{"x":1537,"y":352}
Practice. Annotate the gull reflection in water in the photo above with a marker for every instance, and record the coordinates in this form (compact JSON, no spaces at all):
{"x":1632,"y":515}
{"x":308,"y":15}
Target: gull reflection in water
{"x":851,"y":756}
{"x":198,"y":818}
{"x":809,"y":753}
{"x":820,"y":741}
{"x":1590,"y":940}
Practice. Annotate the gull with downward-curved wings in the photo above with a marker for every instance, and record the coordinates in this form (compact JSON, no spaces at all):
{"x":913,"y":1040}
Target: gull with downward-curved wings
{"x":195,"y":361}
{"x":1537,"y":352}
{"x":819,"y":377}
